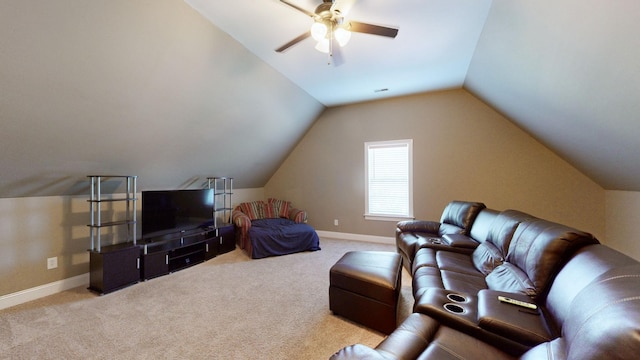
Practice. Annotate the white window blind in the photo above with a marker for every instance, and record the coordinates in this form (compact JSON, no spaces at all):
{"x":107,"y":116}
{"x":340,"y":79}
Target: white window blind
{"x":389,"y":186}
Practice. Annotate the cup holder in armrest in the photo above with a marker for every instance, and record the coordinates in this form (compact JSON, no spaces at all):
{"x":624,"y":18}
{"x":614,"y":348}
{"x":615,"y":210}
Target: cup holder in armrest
{"x":454,"y":308}
{"x":457,"y":298}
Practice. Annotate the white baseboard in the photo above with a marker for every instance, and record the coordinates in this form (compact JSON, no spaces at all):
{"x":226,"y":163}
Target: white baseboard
{"x":356,"y":237}
{"x":37,"y":292}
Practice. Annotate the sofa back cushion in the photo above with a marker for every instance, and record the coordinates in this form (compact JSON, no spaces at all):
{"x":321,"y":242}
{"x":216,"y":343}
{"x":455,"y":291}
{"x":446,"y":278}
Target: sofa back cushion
{"x":585,"y":265}
{"x":269,"y":212}
{"x":482,"y":224}
{"x":503,"y":227}
{"x":603,"y":318}
{"x":486,"y":257}
{"x":253,"y":209}
{"x":280,"y":207}
{"x":458,"y":216}
{"x":271,"y":209}
{"x":508,"y":277}
{"x":492,"y":251}
{"x":540,"y":248}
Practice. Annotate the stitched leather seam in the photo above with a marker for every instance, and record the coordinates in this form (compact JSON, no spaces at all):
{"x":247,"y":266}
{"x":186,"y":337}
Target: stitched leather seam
{"x":595,"y":311}
{"x":450,"y":351}
{"x":618,"y":277}
{"x":615,"y":302}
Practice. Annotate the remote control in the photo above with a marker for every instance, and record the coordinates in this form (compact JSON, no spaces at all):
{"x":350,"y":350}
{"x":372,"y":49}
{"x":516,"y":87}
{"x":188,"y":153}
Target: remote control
{"x":517,"y":302}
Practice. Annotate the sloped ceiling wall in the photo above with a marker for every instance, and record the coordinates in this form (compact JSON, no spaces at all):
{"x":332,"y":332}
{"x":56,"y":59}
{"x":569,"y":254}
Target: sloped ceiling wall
{"x":151,"y":88}
{"x":567,"y":72}
{"x":147,"y":88}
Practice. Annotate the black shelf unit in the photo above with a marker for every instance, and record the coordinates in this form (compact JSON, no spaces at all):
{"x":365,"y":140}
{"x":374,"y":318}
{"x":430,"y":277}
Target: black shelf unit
{"x":186,"y":256}
{"x":172,"y":252}
{"x":114,"y":266}
{"x":227,"y":238}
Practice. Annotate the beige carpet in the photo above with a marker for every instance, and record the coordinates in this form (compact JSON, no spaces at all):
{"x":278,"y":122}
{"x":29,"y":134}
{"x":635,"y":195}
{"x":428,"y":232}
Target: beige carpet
{"x":229,"y":307}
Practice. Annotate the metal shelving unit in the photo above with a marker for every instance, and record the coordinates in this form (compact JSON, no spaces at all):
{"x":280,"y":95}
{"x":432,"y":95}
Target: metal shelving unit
{"x":113,"y":266}
{"x":222,"y":193}
{"x":95,"y":204}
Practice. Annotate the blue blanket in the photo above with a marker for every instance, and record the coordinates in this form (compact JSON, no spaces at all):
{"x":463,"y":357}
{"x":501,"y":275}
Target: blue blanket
{"x":271,"y":237}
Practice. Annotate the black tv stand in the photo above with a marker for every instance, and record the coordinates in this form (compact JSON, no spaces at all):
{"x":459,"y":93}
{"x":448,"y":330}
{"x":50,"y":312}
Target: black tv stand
{"x":186,"y":256}
{"x":175,"y":251}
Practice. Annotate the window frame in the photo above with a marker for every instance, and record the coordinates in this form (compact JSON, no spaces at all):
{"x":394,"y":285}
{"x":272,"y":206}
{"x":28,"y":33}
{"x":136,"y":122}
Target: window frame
{"x":408,"y":143}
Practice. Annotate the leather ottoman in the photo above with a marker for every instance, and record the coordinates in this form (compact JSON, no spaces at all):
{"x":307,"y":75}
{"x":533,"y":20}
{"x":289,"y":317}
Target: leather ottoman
{"x":365,"y":287}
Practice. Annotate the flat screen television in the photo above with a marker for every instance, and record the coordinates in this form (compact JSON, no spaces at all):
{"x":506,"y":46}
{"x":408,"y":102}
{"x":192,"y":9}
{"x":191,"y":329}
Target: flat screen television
{"x":167,"y":211}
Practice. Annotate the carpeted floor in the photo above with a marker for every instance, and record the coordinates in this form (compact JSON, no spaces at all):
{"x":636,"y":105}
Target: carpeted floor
{"x":229,"y":307}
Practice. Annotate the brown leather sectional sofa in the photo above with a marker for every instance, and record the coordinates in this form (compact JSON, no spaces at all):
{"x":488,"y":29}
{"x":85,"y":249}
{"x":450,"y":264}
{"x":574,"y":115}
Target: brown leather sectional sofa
{"x":585,"y":295}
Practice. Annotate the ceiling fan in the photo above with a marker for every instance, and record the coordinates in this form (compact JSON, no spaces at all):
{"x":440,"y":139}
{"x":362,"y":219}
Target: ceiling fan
{"x":329,"y":25}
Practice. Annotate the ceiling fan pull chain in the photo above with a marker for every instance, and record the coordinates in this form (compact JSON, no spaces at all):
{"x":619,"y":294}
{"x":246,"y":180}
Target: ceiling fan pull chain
{"x":330,"y":44}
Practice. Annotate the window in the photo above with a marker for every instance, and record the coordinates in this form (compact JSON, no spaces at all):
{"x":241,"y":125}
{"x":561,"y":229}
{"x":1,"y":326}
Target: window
{"x":389,"y":184}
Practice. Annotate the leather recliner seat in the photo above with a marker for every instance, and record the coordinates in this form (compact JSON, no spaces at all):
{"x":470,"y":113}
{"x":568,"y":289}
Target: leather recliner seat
{"x":553,"y":266}
{"x":457,"y":218}
{"x":442,"y":268}
{"x":591,"y":312}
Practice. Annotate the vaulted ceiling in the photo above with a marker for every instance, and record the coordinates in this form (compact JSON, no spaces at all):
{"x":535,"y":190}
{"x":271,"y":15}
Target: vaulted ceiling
{"x":156,"y":87}
{"x":432,"y":51}
{"x":567,"y":72}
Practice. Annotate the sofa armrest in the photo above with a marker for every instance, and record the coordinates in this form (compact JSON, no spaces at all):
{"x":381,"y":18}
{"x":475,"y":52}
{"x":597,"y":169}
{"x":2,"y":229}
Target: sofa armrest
{"x":451,"y":308}
{"x":297,"y":215}
{"x":408,"y":341}
{"x":449,"y":242}
{"x":460,"y":241}
{"x":526,"y":326}
{"x":357,"y":352}
{"x":241,"y":220}
{"x":423,"y":226}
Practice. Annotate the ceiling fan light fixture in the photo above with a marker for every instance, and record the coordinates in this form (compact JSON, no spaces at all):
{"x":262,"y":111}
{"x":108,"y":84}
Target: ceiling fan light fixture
{"x":329,"y":25}
{"x":318,"y":31}
{"x":323,"y":46}
{"x":342,"y":35}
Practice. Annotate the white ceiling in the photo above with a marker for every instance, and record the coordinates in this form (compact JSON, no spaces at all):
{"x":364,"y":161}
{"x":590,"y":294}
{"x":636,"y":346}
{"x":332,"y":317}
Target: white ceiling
{"x":432,"y":51}
{"x":566,"y":72}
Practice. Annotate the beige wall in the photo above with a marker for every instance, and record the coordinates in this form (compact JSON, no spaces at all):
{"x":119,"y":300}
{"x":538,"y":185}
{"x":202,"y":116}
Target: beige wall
{"x":36,"y":228}
{"x":141,"y":87}
{"x":622,"y":231}
{"x":462,"y":150}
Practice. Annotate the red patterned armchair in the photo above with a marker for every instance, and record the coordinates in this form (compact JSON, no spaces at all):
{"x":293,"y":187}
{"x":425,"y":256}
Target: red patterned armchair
{"x":272,"y":228}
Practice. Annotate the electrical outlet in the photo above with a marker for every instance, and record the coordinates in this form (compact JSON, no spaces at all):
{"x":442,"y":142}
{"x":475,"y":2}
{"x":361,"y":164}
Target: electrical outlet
{"x":335,"y":222}
{"x":52,"y":263}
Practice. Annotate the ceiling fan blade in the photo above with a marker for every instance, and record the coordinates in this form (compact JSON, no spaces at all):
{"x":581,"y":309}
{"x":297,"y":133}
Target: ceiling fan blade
{"x":360,"y":27}
{"x":307,"y":12}
{"x":343,"y":6}
{"x":293,"y":42}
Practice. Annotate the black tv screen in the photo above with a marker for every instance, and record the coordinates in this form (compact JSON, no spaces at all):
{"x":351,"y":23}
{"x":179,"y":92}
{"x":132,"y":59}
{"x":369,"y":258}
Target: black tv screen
{"x":165,"y":211}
